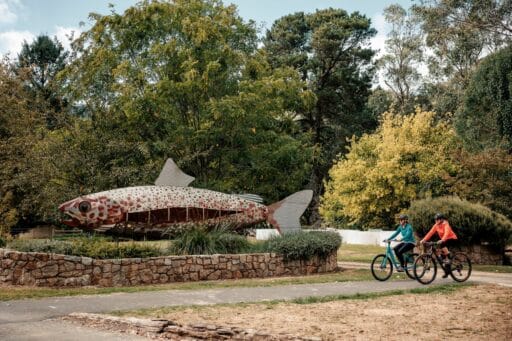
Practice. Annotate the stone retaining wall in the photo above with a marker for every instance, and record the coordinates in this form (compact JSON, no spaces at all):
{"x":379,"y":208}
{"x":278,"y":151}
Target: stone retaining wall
{"x":482,"y":254}
{"x":53,"y":270}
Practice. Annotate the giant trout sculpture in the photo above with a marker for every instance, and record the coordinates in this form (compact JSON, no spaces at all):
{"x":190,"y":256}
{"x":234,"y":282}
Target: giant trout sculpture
{"x":170,"y":203}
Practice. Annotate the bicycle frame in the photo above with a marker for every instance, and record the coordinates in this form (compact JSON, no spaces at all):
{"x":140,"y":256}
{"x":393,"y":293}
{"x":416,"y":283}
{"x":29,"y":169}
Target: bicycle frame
{"x":432,"y":252}
{"x":391,"y":254}
{"x":382,"y":264}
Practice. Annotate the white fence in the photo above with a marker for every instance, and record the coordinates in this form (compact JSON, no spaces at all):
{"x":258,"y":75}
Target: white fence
{"x":372,"y":237}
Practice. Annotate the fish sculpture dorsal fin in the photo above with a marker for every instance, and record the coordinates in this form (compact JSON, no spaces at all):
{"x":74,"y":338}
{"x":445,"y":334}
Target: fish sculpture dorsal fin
{"x":172,"y":175}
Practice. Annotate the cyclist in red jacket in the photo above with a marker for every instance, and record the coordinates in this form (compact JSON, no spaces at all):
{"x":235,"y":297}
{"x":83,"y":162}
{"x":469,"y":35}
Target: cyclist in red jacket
{"x":446,"y":236}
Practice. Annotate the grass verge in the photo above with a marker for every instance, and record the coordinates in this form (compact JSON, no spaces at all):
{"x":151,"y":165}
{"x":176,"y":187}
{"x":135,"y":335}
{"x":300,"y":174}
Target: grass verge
{"x":493,"y":268}
{"x":15,"y":293}
{"x":159,"y":312}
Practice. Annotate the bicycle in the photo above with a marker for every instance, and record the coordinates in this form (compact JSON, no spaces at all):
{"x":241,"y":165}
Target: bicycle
{"x":425,"y":266}
{"x":382,"y":264}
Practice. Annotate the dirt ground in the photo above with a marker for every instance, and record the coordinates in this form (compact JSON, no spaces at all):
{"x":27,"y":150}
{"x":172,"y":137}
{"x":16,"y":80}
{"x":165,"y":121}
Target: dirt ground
{"x":470,"y":313}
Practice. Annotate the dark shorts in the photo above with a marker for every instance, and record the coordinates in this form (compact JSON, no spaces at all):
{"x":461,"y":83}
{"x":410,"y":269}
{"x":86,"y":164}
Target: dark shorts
{"x":449,"y":243}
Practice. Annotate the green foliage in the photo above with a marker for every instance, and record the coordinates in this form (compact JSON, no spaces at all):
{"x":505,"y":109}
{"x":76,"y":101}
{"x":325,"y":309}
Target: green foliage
{"x":328,"y":49}
{"x":99,"y":248}
{"x":405,"y":159}
{"x":20,"y":129}
{"x":199,"y":240}
{"x":42,"y":245}
{"x":472,"y":223}
{"x":40,"y":61}
{"x":304,"y":245}
{"x":2,"y":241}
{"x":486,"y":178}
{"x":459,"y":33}
{"x":404,"y":53}
{"x":182,"y":79}
{"x":486,"y":120}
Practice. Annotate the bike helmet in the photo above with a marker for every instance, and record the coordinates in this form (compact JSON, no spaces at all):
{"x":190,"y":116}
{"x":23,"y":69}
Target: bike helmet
{"x":403,"y":217}
{"x":439,"y":216}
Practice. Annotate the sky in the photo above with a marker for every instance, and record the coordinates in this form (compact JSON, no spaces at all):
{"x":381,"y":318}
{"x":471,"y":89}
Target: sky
{"x":23,"y":20}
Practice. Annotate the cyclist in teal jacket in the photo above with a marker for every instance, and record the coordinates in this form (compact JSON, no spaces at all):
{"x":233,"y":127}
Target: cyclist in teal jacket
{"x":407,"y":242}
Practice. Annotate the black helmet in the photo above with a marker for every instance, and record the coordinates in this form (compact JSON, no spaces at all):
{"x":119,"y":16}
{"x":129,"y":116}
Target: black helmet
{"x":439,"y":216}
{"x":403,"y":217}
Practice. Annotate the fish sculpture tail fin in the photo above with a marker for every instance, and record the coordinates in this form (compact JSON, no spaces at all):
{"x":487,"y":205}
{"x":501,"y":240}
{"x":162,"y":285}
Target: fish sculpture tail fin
{"x":285,"y":214}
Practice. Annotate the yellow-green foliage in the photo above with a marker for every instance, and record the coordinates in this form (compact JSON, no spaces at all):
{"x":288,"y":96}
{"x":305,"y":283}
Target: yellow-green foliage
{"x":407,"y":158}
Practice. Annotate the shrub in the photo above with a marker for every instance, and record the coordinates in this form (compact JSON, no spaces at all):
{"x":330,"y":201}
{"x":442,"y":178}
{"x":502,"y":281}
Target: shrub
{"x":99,"y":248}
{"x":2,"y":241}
{"x":474,"y":224}
{"x":42,"y":245}
{"x":303,"y":245}
{"x":201,"y":241}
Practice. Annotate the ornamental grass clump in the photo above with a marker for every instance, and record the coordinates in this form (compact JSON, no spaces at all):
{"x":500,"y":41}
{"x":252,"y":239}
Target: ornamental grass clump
{"x":203,"y":240}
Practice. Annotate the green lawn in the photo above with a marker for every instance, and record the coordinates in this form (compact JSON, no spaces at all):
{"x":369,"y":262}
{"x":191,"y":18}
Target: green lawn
{"x":358,"y":253}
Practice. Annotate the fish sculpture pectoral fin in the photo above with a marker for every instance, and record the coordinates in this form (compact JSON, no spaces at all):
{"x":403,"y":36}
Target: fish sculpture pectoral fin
{"x":172,"y":175}
{"x":285,"y":214}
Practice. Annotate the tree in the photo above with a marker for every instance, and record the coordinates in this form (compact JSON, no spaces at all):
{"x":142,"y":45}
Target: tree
{"x":379,"y":102}
{"x":485,"y":177}
{"x":460,"y":32}
{"x":20,"y":129}
{"x":407,"y":158}
{"x":42,"y":60}
{"x":404,"y":53}
{"x":486,"y":118}
{"x":183,"y":79}
{"x":328,"y":49}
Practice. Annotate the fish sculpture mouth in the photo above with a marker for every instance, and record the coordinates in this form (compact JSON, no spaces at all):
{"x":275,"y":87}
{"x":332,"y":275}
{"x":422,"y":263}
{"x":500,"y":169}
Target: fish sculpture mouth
{"x":71,"y":222}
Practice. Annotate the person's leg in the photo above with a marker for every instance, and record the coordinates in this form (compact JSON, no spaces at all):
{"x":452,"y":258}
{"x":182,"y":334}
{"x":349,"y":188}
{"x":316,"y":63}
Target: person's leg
{"x":446,"y":244}
{"x":399,"y":253}
{"x":405,"y":248}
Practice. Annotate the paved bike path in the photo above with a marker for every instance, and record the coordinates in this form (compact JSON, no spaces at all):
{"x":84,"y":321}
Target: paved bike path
{"x":38,"y":309}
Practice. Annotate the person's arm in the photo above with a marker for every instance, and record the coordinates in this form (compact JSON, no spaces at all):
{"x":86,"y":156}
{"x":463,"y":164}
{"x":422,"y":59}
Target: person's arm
{"x":448,"y":232}
{"x":395,"y":233}
{"x":429,"y":234}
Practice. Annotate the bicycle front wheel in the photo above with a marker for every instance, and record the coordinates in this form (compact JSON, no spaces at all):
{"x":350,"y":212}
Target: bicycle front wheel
{"x":425,"y":269}
{"x":409,"y":264}
{"x":382,"y":268}
{"x":460,"y":267}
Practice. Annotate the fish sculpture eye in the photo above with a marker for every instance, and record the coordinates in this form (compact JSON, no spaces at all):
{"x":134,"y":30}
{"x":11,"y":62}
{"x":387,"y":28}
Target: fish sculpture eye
{"x":84,"y":206}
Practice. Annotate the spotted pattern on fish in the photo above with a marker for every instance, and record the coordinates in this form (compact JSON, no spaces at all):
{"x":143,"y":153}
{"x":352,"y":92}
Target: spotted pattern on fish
{"x":113,"y":207}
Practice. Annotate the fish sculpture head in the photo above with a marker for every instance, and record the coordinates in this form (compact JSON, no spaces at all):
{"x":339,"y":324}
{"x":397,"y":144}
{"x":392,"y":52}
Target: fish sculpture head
{"x":90,"y":212}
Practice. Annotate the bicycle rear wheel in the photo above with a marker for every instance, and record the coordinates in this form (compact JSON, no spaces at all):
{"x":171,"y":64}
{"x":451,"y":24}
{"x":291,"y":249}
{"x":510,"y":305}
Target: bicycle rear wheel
{"x":382,"y":268}
{"x":460,"y":267}
{"x":409,"y":264}
{"x":425,"y":269}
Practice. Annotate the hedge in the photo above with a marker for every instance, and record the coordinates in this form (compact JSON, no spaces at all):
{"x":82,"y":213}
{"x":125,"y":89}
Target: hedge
{"x":473,"y":223}
{"x":99,"y":248}
{"x":304,"y":245}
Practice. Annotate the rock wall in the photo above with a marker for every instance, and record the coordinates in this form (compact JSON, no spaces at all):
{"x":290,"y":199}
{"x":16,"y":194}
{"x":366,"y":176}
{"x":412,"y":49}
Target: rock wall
{"x":53,"y":270}
{"x":482,"y":254}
